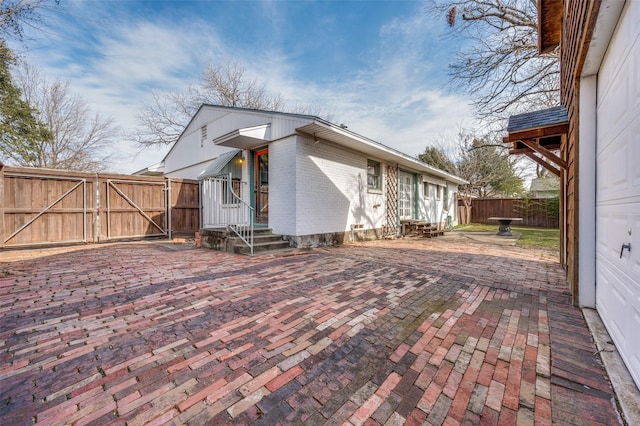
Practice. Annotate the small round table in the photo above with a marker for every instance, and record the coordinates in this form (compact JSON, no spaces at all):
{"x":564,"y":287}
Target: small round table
{"x":505,"y":225}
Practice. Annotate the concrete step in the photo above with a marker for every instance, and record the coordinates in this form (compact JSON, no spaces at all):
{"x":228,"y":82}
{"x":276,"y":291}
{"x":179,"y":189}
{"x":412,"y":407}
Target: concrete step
{"x":263,"y":240}
{"x":261,"y":231}
{"x":261,"y":246}
{"x":257,"y":238}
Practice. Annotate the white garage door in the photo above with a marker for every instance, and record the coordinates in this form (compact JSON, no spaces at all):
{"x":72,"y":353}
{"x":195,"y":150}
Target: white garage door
{"x":618,"y":188}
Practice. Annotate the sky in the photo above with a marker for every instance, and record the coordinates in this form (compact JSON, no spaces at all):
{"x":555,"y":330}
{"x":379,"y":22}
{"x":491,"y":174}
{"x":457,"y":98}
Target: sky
{"x":380,"y":67}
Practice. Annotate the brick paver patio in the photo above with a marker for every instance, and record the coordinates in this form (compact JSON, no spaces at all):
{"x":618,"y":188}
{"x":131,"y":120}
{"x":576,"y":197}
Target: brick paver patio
{"x":390,"y":332}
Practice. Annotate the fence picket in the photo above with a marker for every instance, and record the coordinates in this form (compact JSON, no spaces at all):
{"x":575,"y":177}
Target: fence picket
{"x":50,"y":207}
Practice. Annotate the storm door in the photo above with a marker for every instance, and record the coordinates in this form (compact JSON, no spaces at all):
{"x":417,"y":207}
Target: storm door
{"x":262,"y":185}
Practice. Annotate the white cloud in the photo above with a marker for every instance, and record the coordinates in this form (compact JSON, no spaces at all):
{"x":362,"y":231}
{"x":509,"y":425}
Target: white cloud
{"x":395,"y":101}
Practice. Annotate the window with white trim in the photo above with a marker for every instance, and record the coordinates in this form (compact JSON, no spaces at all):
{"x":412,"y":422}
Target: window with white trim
{"x":373,"y":175}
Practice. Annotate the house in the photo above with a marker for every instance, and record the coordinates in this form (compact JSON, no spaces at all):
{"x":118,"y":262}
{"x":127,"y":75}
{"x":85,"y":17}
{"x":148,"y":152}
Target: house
{"x":544,"y":187}
{"x":597,"y":130}
{"x":311,"y":181}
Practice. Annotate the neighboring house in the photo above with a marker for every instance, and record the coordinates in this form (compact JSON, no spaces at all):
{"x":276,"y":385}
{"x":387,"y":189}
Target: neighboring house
{"x":544,"y":187}
{"x":307,"y":179}
{"x":600,"y":151}
{"x":153,"y":170}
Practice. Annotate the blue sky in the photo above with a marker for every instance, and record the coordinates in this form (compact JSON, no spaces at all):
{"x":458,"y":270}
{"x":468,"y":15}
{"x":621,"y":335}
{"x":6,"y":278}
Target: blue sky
{"x":377,"y":66}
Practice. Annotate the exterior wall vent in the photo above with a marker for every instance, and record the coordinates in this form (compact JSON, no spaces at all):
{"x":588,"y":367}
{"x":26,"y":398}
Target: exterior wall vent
{"x":203,"y":135}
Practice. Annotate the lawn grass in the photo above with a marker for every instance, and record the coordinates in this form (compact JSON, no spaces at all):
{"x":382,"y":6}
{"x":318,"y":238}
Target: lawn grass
{"x":529,"y":237}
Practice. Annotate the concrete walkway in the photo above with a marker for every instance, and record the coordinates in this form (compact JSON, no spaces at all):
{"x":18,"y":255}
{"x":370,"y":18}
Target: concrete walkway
{"x":389,"y":332}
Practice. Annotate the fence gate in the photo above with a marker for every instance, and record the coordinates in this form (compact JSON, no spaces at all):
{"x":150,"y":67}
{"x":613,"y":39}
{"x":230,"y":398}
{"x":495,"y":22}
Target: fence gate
{"x":52,"y":207}
{"x":41,"y":209}
{"x":136,"y":209}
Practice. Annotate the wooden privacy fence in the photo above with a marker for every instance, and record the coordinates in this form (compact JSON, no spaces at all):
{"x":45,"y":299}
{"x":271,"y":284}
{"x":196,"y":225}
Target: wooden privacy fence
{"x":44,"y":206}
{"x":537,"y":212}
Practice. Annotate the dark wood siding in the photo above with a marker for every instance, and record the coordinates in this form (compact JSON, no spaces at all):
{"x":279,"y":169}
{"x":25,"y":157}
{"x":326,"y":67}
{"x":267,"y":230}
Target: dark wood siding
{"x":578,"y":23}
{"x":537,"y":212}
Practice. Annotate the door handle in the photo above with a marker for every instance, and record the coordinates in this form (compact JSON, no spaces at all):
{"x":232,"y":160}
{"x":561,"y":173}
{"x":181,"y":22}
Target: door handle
{"x":625,"y":246}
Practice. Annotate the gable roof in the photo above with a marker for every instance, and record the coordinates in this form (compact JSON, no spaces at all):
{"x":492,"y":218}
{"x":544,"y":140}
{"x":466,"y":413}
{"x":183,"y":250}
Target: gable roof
{"x":320,"y":128}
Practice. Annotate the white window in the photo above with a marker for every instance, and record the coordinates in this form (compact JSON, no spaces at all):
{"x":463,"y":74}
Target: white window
{"x":405,"y":195}
{"x":373,"y":175}
{"x":426,"y":189}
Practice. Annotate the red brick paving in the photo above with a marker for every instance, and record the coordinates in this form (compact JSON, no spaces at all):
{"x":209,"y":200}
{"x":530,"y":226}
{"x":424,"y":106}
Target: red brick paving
{"x":389,"y":332}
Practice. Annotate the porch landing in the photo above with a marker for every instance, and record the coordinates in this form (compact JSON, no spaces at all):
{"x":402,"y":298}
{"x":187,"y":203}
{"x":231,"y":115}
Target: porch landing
{"x":223,"y":240}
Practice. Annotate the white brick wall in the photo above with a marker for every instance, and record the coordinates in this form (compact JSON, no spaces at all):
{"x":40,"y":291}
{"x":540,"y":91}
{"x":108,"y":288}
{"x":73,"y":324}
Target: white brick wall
{"x":332,"y":193}
{"x":282,"y":186}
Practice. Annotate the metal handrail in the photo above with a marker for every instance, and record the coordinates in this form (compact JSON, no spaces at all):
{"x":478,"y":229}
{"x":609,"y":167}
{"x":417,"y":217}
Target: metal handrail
{"x":243,"y":229}
{"x":223,"y":207}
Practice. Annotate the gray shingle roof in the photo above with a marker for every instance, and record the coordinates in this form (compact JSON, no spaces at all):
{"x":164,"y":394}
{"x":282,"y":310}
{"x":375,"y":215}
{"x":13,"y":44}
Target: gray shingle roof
{"x":537,"y":119}
{"x":545,"y":184}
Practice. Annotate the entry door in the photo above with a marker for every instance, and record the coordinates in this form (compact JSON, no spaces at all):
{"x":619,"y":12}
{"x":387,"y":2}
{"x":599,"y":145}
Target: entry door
{"x":262,"y":185}
{"x":405,"y":196}
{"x":618,"y":189}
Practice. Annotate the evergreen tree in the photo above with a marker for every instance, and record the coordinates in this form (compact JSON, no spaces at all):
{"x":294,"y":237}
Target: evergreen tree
{"x":21,"y":135}
{"x":437,"y":157}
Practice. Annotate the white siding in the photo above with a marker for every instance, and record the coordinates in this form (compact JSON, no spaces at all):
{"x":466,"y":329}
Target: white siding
{"x":431,"y":208}
{"x":219,"y":122}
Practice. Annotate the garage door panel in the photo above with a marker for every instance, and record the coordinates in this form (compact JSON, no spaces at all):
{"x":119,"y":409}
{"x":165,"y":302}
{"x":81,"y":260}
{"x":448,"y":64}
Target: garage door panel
{"x":602,"y":230}
{"x":635,"y":71}
{"x":632,"y":354}
{"x":634,"y":136}
{"x":618,"y":188}
{"x":616,"y":234}
{"x":613,"y":296}
{"x":623,"y":41}
{"x":620,"y":167}
{"x":617,"y":173}
{"x":634,"y":240}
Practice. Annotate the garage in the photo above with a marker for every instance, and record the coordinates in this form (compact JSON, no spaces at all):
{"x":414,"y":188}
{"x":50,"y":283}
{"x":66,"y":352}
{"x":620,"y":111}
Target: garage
{"x":617,"y":156}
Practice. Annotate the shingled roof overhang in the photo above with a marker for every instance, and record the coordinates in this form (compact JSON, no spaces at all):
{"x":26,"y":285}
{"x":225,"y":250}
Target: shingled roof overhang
{"x":549,"y":25}
{"x":537,"y":134}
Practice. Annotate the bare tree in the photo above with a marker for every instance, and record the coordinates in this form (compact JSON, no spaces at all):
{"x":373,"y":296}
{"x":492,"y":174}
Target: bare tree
{"x":79,"y":138}
{"x":229,"y":85}
{"x":500,"y":66}
{"x":162,"y":119}
{"x":15,"y":15}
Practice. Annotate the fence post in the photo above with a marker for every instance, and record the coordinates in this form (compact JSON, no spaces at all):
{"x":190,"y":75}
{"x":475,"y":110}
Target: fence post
{"x":97,"y":226}
{"x":169,"y":203}
{"x":2,"y":204}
